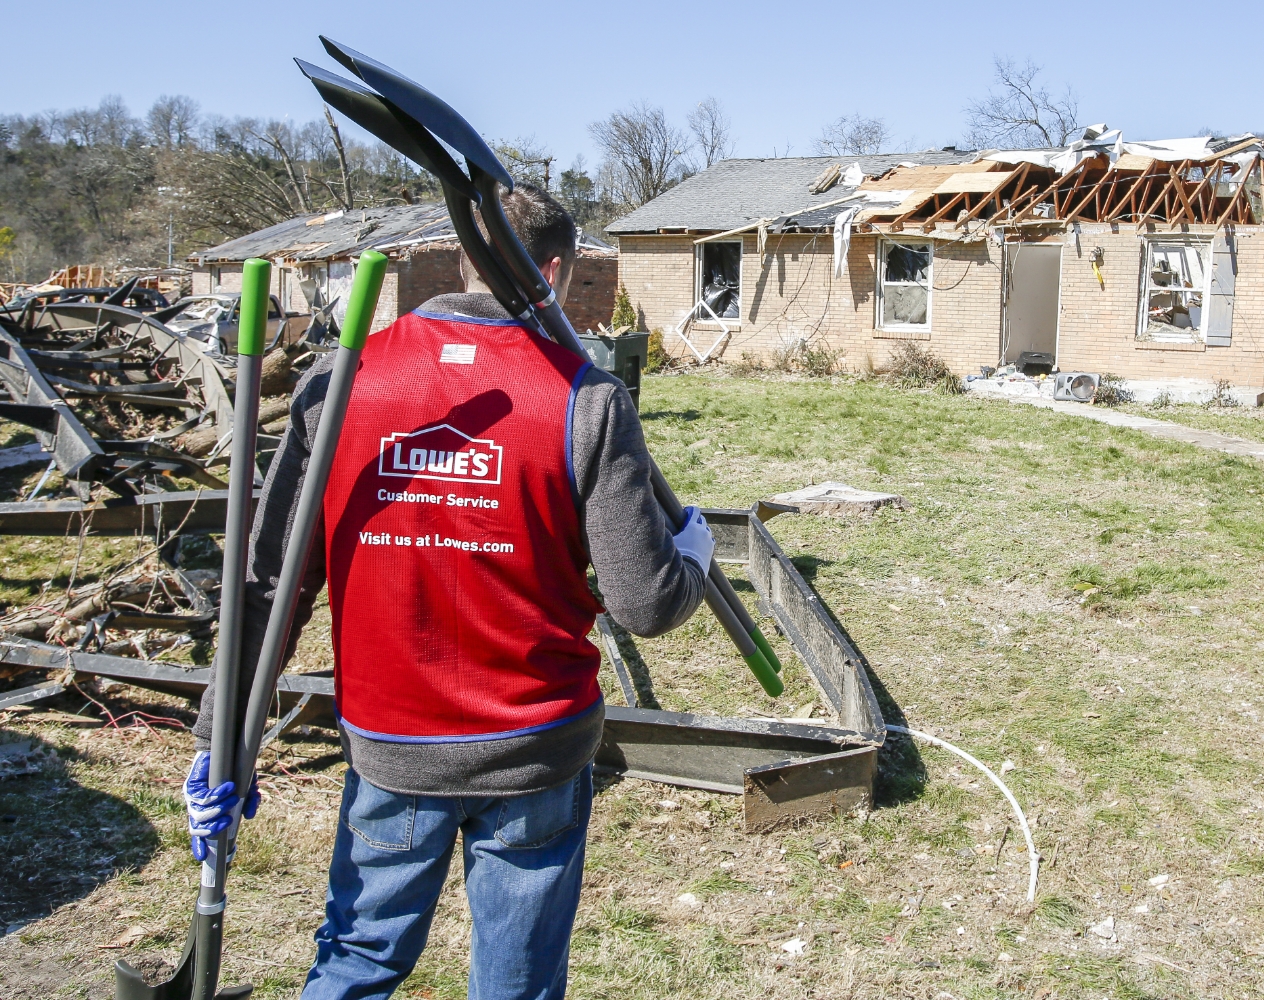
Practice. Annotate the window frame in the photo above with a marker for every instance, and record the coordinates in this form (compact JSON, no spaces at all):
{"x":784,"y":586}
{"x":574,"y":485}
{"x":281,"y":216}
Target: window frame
{"x":1197,"y":334}
{"x":884,"y":245}
{"x":701,"y":315}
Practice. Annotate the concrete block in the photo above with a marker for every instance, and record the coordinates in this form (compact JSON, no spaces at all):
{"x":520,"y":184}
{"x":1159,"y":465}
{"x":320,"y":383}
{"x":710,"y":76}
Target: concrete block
{"x":839,"y":500}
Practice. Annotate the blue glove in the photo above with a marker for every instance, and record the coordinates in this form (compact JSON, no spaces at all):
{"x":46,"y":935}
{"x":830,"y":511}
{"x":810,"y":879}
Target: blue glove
{"x":694,"y":540}
{"x":211,"y":809}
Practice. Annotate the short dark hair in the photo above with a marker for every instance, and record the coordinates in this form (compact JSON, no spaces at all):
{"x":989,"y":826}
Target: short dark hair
{"x":544,"y":227}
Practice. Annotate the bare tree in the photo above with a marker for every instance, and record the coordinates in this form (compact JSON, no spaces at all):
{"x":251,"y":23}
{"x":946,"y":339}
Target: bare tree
{"x":1019,"y":112}
{"x":712,"y":129}
{"x":348,"y":200}
{"x":853,"y":135}
{"x":527,"y":160}
{"x":644,"y":150}
{"x":171,"y":121}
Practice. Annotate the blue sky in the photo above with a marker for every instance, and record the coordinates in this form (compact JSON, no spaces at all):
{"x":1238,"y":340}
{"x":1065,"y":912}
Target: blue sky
{"x":781,"y":68}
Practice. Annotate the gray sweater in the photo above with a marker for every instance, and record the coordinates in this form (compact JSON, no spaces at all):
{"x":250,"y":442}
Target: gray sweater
{"x":645,"y":583}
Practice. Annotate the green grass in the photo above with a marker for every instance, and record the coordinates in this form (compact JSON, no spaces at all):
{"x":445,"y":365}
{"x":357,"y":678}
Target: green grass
{"x":1079,"y":599}
{"x":1237,"y":421}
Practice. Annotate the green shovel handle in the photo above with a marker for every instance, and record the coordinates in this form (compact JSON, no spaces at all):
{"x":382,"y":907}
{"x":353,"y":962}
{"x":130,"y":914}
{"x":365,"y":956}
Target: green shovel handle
{"x":365,"y":289}
{"x":764,"y":673}
{"x":252,"y":326}
{"x":761,"y":641}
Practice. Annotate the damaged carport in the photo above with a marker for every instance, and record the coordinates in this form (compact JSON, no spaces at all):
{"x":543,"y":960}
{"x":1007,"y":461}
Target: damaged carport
{"x":784,"y":770}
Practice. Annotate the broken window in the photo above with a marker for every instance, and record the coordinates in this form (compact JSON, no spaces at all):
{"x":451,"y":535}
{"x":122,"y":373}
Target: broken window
{"x":720,"y":279}
{"x":1172,"y":299}
{"x":904,"y":288}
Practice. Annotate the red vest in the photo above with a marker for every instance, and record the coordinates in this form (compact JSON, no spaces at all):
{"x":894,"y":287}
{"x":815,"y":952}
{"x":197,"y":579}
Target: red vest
{"x":457,"y":573}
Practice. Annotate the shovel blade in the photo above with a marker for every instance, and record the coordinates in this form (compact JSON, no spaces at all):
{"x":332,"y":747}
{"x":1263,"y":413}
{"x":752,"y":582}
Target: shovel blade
{"x":419,"y":103}
{"x":376,"y":115}
{"x":130,"y":984}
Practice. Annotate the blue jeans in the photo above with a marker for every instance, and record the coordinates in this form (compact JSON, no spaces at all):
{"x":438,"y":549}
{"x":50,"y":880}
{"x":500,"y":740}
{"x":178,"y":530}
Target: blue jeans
{"x":524,"y":861}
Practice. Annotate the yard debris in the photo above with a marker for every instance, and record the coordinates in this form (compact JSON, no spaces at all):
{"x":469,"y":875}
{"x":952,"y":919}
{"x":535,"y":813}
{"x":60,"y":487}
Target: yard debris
{"x":23,"y":454}
{"x":160,"y":603}
{"x":839,"y":500}
{"x":1159,"y":880}
{"x":124,"y":404}
{"x":133,"y":935}
{"x":24,"y":758}
{"x":795,"y":946}
{"x":689,"y":899}
{"x":1105,"y":929}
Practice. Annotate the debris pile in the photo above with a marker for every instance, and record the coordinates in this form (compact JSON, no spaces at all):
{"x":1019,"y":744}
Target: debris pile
{"x":140,"y":610}
{"x":24,"y":757}
{"x":124,"y":404}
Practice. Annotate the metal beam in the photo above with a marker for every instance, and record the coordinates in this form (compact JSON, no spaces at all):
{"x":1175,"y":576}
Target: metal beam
{"x":798,"y":789}
{"x":200,"y":511}
{"x":26,"y":695}
{"x":76,"y":452}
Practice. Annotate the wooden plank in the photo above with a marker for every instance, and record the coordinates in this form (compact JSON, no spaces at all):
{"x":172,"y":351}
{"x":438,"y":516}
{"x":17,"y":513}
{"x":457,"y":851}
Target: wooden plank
{"x":1078,"y":168}
{"x":1187,"y":209}
{"x":1244,"y":144}
{"x":976,"y":183}
{"x":1131,"y":161}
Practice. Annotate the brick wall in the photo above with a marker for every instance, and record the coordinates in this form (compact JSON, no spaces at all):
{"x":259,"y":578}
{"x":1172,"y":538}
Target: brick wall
{"x":791,"y":293}
{"x":437,"y":270}
{"x":427,"y":273}
{"x":1098,"y":326}
{"x":591,"y":297}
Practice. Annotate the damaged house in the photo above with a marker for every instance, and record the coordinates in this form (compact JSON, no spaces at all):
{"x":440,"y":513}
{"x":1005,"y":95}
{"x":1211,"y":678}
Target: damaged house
{"x":315,"y":255}
{"x":1145,"y":259}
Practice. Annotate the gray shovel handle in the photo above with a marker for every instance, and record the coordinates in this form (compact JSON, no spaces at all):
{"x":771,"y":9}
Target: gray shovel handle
{"x":294,"y":564}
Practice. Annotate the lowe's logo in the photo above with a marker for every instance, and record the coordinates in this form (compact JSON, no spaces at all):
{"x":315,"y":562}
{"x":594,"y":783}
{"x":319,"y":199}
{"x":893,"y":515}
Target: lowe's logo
{"x":441,"y":452}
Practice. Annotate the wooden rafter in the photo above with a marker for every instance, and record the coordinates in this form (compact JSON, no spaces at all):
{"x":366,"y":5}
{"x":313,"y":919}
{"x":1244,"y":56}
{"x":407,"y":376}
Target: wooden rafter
{"x":1138,"y":199}
{"x":1148,"y":210}
{"x":1017,"y":181}
{"x":1237,"y":196}
{"x":1071,"y":193}
{"x":929,"y":224}
{"x":1198,"y":192}
{"x":1078,"y":168}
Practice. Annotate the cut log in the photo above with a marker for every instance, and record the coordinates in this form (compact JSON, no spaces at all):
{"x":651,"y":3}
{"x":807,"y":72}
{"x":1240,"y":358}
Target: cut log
{"x":275,"y":378}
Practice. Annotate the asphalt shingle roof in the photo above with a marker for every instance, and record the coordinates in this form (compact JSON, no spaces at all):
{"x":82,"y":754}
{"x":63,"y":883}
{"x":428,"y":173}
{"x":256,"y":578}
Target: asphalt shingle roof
{"x":319,"y":237}
{"x":734,"y":193}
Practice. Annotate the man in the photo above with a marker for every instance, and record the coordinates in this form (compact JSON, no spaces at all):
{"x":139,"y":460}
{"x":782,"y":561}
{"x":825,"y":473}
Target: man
{"x":480,"y":471}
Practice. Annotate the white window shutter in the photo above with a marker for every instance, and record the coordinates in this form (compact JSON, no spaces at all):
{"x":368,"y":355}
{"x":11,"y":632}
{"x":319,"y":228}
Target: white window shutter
{"x":1224,"y":269}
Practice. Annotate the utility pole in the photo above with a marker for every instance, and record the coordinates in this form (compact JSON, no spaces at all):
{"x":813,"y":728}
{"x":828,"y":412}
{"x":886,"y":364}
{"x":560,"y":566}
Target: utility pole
{"x":171,"y":216}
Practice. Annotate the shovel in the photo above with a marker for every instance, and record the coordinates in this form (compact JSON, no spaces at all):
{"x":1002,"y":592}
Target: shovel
{"x":198,"y":972}
{"x":355,"y":330}
{"x":404,"y":114}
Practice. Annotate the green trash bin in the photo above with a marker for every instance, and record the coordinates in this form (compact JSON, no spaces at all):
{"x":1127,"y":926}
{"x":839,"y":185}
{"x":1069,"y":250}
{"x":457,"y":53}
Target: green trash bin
{"x":623,"y":357}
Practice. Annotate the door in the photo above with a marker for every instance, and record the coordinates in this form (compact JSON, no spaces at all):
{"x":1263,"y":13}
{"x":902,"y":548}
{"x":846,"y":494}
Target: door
{"x":1031,"y":299}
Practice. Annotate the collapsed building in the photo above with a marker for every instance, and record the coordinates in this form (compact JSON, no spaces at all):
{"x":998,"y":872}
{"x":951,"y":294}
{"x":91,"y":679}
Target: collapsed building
{"x":315,"y":255}
{"x":1144,"y":259}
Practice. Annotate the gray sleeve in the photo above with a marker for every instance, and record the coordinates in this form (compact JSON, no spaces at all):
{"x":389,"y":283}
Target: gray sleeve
{"x":647,"y":586}
{"x":274,"y":518}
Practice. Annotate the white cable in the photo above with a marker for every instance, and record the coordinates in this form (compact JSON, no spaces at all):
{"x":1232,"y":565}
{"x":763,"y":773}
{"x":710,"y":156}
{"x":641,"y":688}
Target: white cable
{"x":1018,"y":810}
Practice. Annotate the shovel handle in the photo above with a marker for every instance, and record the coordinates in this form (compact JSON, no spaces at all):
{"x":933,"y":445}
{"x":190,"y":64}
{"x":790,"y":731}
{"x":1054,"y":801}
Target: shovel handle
{"x":252,"y":326}
{"x":361,"y":305}
{"x":365,"y":287}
